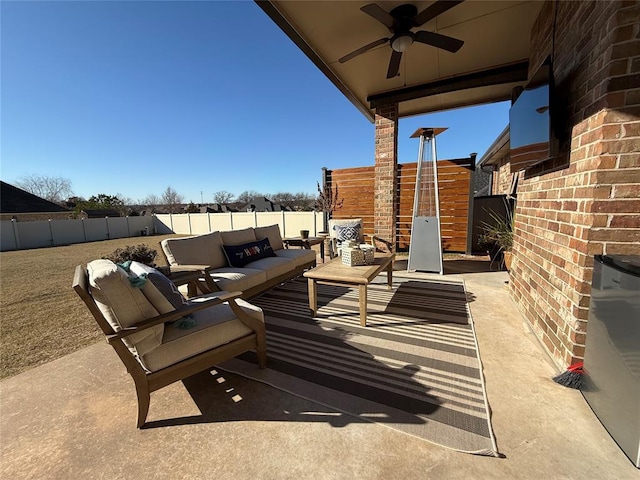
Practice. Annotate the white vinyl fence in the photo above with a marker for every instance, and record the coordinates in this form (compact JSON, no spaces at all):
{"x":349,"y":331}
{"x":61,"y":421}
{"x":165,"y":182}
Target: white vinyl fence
{"x":290,"y":223}
{"x":52,"y":233}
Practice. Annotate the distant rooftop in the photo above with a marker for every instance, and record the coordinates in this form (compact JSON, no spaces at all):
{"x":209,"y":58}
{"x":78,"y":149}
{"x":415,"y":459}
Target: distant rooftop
{"x":16,"y":200}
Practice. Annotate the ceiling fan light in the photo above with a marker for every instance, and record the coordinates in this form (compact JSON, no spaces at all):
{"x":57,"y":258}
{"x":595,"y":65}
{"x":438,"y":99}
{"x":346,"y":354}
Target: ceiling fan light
{"x":401,"y":43}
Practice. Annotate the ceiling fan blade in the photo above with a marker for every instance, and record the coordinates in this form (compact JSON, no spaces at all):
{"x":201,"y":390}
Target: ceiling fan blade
{"x":361,"y":50}
{"x":433,"y":10}
{"x":379,"y":14}
{"x":394,"y":64}
{"x":441,"y":41}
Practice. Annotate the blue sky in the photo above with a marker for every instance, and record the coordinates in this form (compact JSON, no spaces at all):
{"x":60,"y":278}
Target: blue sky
{"x":129,"y":98}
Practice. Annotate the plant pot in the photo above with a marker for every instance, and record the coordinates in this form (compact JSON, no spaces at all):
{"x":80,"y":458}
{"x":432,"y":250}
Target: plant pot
{"x":507,"y":260}
{"x":304,"y":234}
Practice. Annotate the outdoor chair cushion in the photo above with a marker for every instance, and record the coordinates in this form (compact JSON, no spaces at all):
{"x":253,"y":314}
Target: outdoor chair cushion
{"x":123,"y":305}
{"x":272,"y":232}
{"x":237,"y":237}
{"x":198,"y":250}
{"x":178,"y":344}
{"x":299,"y":255}
{"x":273,"y":266}
{"x":232,"y":279}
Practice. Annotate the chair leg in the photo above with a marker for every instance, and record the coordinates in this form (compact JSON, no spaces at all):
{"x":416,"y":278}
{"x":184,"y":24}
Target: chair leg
{"x":261,"y":351}
{"x":144,"y":398}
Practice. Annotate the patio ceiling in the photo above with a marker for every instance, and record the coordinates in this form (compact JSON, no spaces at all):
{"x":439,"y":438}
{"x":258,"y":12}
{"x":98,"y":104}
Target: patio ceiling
{"x":493,"y":59}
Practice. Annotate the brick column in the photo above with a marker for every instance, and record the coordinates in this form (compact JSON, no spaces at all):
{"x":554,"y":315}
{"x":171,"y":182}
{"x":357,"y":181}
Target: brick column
{"x":386,"y":178}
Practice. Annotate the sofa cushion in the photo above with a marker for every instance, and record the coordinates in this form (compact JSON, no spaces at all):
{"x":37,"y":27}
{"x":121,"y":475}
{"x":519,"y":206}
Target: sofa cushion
{"x":159,"y":290}
{"x":232,"y":279}
{"x":237,"y":237}
{"x":272,"y":232}
{"x":198,"y":250}
{"x":215,"y":326}
{"x":274,"y":266}
{"x":241,"y":255}
{"x":123,"y":305}
{"x":301,"y":256}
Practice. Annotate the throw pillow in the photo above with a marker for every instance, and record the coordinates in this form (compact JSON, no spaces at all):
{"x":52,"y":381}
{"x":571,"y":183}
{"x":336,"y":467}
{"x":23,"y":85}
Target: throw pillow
{"x":241,"y":255}
{"x":347,"y":232}
{"x":159,"y":290}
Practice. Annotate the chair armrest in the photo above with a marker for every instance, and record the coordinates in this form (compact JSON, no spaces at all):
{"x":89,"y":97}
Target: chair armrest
{"x":188,"y":268}
{"x":179,"y":274}
{"x":175,"y":315}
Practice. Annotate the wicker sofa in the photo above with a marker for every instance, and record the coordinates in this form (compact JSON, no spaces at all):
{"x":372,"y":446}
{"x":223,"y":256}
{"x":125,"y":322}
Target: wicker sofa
{"x":227,"y":259}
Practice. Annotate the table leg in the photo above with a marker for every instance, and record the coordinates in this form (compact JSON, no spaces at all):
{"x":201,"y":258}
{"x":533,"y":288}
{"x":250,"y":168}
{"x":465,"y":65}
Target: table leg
{"x":363,"y":305}
{"x":390,"y":276}
{"x":313,"y":297}
{"x":322,"y":250}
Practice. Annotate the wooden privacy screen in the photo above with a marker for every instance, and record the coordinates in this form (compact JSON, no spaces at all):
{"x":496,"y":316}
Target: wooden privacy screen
{"x":455,"y":189}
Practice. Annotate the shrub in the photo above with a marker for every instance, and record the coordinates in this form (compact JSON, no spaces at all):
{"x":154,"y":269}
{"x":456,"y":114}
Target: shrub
{"x":138,"y":253}
{"x":498,"y":233}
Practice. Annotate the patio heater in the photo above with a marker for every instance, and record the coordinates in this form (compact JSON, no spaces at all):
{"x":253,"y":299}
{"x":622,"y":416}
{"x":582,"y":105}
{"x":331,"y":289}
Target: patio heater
{"x":425,"y":247}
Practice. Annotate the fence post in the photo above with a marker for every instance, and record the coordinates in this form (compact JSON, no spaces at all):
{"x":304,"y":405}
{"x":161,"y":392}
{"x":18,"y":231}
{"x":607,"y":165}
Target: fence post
{"x":16,"y":234}
{"x":189,"y":223}
{"x":209,"y":220}
{"x":255,"y":219}
{"x":284,"y":227}
{"x":231,"y":220}
{"x":472,"y":181}
{"x":53,"y":239}
{"x":128,"y":226}
{"x":84,"y":229}
{"x":106,"y":221}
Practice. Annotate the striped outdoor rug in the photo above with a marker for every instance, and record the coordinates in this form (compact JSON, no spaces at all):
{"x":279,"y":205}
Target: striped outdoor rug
{"x":414,"y":368}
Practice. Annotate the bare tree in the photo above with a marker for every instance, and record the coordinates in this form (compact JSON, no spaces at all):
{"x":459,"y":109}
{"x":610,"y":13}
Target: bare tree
{"x":328,"y":201}
{"x":54,"y":189}
{"x":295,"y":201}
{"x":303,"y":201}
{"x":286,"y":199}
{"x":150,"y":200}
{"x":172,"y":200}
{"x":222,"y":196}
{"x":247,"y":195}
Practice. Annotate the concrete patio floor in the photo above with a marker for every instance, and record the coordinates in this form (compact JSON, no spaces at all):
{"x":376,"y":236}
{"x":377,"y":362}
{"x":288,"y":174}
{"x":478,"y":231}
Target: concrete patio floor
{"x":75,"y":418}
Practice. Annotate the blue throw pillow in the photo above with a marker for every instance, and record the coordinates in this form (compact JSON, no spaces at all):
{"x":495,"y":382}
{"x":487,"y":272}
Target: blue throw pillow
{"x":347,"y":232}
{"x":240,"y":255}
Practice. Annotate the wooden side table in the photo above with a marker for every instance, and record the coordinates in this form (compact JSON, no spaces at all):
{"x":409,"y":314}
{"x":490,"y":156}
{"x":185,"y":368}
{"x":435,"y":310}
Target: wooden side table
{"x":305,"y":243}
{"x":181,"y":277}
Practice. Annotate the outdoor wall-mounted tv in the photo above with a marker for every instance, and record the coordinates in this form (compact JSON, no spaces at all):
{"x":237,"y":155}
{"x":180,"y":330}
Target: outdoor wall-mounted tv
{"x":530,"y":122}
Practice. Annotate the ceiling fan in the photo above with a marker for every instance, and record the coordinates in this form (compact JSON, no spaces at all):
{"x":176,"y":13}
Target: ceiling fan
{"x":400,"y":21}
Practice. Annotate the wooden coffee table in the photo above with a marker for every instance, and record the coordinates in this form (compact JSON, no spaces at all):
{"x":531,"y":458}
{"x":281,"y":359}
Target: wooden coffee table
{"x":334,"y":272}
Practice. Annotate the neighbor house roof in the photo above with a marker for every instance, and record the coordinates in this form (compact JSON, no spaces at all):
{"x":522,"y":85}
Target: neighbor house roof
{"x":16,"y":200}
{"x":263,"y":204}
{"x":497,"y":150}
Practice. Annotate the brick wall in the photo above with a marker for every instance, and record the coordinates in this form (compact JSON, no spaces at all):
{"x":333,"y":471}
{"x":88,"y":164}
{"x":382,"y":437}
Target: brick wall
{"x":587,"y":200}
{"x":386,"y":165}
{"x":501,"y":183}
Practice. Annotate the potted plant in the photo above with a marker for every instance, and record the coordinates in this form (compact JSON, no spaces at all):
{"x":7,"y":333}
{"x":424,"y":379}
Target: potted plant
{"x":497,"y":237}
